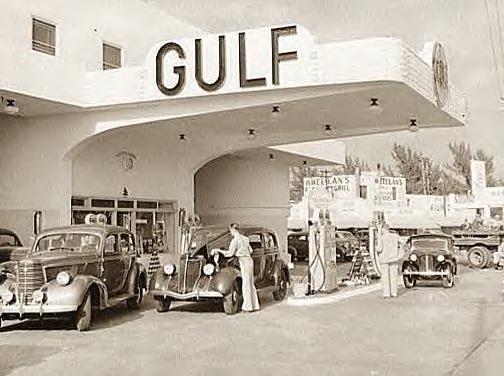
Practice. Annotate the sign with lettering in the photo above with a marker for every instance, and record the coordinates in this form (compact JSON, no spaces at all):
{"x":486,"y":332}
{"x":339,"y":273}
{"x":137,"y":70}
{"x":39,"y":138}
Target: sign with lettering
{"x":261,"y":58}
{"x":440,"y":74}
{"x":390,"y":190}
{"x":338,"y":186}
{"x":478,"y":178}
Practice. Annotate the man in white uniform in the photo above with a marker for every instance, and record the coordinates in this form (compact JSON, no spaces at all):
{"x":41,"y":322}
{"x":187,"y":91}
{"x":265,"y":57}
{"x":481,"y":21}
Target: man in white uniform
{"x":389,"y":255}
{"x":241,"y":249}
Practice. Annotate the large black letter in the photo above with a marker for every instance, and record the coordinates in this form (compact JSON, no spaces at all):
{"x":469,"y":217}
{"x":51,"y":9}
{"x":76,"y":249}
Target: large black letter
{"x":244,"y":82}
{"x":277,"y":57}
{"x":179,"y":70}
{"x":217,"y":84}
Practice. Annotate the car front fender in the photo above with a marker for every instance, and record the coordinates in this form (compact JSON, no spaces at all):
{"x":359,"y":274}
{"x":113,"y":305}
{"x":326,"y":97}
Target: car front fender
{"x":137,"y":271}
{"x":224,"y":279}
{"x":281,"y":267}
{"x":75,"y":291}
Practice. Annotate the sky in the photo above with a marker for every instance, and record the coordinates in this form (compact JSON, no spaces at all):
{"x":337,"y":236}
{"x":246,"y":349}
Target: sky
{"x":461,"y":25}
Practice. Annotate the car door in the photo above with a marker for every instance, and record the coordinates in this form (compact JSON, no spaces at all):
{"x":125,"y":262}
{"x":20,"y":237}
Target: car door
{"x":127,"y":251}
{"x":257,"y":243}
{"x":270,"y":255}
{"x":113,"y":267}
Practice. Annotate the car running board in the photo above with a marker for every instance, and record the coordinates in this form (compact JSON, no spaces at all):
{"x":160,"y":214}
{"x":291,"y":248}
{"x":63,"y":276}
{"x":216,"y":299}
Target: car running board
{"x":119,"y":299}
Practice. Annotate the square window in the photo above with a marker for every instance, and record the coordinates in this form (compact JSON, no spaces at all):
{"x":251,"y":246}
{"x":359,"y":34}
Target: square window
{"x":111,"y":57}
{"x":43,"y":37}
{"x":363,"y":191}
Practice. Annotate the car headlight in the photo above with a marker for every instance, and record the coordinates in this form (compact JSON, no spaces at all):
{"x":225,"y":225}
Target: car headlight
{"x":413,"y":257}
{"x":63,"y":278}
{"x":440,"y":258}
{"x":169,"y":269}
{"x":7,"y":296}
{"x":209,"y":269}
{"x":38,"y":296}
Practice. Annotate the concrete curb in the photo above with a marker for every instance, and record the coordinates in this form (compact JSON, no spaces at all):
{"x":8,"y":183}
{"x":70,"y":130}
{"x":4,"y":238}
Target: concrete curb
{"x":332,"y":298}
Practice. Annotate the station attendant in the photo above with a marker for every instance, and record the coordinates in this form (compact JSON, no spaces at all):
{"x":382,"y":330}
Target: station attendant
{"x":389,"y":255}
{"x":240,"y":248}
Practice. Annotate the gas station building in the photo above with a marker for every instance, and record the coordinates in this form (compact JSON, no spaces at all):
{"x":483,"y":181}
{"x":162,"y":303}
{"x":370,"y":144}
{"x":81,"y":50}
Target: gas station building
{"x":187,"y":119}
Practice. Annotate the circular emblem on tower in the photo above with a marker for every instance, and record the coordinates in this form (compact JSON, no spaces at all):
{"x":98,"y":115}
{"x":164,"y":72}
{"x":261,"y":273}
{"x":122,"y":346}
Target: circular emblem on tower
{"x":440,"y":76}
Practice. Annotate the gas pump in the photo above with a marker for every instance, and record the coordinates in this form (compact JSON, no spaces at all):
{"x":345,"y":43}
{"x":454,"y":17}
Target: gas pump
{"x":322,"y":273}
{"x":374,"y":228}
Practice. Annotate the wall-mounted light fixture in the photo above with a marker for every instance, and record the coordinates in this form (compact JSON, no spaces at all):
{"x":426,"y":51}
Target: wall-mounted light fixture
{"x":305,"y":163}
{"x":252,"y":134}
{"x":271,"y":157}
{"x":125,"y":192}
{"x":328,"y":129}
{"x":9,"y":106}
{"x":413,"y":125}
{"x":183,"y":137}
{"x":375,"y":107}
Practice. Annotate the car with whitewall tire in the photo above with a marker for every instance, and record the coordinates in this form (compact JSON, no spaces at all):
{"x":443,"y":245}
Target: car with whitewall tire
{"x":71,"y":272}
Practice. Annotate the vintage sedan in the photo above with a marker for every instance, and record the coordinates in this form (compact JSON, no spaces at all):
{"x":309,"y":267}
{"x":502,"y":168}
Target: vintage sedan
{"x":11,"y":247}
{"x":71,"y":270}
{"x":200,"y":276}
{"x":430,"y":257}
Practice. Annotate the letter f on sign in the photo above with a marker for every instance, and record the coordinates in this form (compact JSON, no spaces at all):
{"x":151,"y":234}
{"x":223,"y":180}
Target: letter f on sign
{"x":277,"y":57}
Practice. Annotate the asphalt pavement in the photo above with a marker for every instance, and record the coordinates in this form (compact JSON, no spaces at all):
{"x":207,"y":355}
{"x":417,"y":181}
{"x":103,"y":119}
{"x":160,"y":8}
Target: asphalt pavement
{"x":425,"y":331}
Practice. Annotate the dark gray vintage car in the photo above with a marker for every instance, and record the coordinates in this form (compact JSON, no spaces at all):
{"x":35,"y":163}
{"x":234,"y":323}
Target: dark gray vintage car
{"x":71,"y":270}
{"x":10,"y":246}
{"x":200,"y":276}
{"x":430,"y":257}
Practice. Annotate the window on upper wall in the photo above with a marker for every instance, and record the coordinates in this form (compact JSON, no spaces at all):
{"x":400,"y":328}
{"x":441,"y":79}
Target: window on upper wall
{"x":363,"y":191}
{"x":43,"y":37}
{"x":111,"y":57}
{"x":394,"y":193}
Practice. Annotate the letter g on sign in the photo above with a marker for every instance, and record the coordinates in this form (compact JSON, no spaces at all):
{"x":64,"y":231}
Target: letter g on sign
{"x":178,"y":70}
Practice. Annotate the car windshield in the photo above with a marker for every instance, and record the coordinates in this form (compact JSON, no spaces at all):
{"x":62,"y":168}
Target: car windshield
{"x":8,"y":240}
{"x":68,"y":241}
{"x":429,"y":243}
{"x":201,"y":237}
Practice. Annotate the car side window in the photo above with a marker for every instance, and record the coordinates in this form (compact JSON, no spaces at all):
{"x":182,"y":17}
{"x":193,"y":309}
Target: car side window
{"x":255,"y":241}
{"x":125,"y":244}
{"x":110,"y":245}
{"x":270,"y":241}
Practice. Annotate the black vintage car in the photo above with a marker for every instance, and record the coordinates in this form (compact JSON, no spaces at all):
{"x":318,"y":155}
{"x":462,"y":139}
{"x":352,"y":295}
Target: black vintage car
{"x":11,"y":247}
{"x":430,"y":257}
{"x":200,"y":276}
{"x":298,"y":245}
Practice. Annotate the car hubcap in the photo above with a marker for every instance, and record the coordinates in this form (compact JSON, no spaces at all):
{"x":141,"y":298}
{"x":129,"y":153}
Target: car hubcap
{"x":477,"y":257}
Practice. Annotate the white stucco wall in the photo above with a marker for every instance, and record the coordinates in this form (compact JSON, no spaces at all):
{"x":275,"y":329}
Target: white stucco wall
{"x":132,"y":25}
{"x":246,"y":189}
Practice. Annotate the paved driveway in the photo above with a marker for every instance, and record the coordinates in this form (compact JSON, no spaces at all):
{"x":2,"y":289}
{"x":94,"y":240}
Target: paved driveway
{"x":426,"y":331}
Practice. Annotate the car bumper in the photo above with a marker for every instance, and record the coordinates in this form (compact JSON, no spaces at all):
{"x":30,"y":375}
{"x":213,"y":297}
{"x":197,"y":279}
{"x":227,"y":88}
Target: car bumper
{"x":35,"y":309}
{"x":187,"y":296}
{"x":424,"y":274}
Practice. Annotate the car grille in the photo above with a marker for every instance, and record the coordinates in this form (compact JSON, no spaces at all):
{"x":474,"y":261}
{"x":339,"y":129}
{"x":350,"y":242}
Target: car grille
{"x":30,"y":278}
{"x":426,"y":263}
{"x":189,"y":274}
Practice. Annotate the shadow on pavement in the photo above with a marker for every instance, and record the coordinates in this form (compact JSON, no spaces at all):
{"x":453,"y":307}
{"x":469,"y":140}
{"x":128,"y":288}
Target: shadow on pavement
{"x":113,"y":316}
